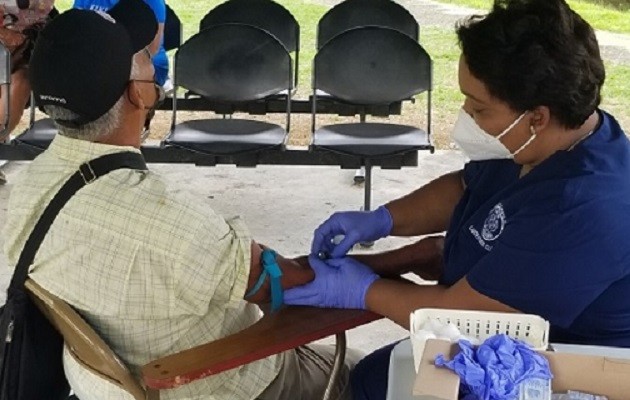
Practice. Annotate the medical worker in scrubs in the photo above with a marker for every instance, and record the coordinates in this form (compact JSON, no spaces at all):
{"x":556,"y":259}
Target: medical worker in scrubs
{"x":537,"y":222}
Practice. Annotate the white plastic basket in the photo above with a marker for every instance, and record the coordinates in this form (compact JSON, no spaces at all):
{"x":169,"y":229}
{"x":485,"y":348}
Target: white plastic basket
{"x":528,"y":328}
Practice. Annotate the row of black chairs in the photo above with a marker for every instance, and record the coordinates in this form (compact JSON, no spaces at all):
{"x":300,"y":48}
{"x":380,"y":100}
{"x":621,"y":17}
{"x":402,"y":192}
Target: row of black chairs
{"x":368,"y":54}
{"x":278,"y":21}
{"x":235,"y":59}
{"x":234,"y":63}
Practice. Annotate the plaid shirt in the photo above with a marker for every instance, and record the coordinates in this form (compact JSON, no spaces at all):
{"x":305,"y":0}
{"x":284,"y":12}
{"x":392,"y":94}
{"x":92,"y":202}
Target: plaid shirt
{"x":153,"y":270}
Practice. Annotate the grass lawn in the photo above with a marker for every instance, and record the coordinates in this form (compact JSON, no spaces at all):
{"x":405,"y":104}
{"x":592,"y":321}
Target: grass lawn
{"x":607,"y":15}
{"x":441,"y":45}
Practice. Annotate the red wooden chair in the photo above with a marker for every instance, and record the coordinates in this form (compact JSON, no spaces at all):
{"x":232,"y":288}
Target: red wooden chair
{"x":288,"y":328}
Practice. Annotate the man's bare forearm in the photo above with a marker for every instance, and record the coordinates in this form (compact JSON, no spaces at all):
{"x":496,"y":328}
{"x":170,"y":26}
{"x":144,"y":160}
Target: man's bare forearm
{"x":294,"y":273}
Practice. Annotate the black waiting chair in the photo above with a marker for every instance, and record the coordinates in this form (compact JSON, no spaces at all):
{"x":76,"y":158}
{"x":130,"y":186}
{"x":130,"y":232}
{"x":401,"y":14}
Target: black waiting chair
{"x":5,"y":88}
{"x":264,"y":14}
{"x":39,"y":133}
{"x":231,"y":63}
{"x":351,"y":14}
{"x":172,"y":30}
{"x":370,"y":66}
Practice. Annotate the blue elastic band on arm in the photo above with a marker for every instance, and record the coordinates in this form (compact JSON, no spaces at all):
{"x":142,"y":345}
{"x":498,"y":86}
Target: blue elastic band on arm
{"x":270,"y":267}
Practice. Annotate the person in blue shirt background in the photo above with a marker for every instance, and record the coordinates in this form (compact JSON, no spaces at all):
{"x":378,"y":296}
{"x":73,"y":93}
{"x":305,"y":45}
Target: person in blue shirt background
{"x":537,"y":222}
{"x":160,"y":60}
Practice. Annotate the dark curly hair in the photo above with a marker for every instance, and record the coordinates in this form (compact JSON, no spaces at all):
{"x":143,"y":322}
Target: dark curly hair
{"x":530,"y":53}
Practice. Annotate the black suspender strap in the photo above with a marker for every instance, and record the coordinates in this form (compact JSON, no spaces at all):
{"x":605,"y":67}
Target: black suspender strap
{"x":87,"y":173}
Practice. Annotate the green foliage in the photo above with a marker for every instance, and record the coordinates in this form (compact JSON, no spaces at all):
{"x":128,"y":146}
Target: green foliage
{"x":616,"y":93}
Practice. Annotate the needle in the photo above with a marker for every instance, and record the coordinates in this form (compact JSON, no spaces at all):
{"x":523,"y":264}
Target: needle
{"x":323,"y":255}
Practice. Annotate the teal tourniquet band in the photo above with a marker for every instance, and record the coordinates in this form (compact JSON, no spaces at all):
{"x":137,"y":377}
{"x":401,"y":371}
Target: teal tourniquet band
{"x":272,"y":269}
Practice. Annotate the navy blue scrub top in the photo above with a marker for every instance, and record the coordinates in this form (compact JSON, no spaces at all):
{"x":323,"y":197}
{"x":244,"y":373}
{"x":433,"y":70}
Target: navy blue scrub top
{"x":555,"y":242}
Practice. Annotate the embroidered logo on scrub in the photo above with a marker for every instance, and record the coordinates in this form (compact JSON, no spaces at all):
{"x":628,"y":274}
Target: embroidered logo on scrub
{"x":492,"y":227}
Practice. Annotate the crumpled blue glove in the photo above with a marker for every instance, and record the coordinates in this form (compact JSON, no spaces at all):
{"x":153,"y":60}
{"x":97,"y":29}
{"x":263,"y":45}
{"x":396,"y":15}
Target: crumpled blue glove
{"x":356,"y":226}
{"x":495,"y":369}
{"x":338,"y":283}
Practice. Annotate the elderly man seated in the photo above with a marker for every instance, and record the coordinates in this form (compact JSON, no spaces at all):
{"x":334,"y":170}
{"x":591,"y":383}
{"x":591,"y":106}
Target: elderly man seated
{"x":153,"y":270}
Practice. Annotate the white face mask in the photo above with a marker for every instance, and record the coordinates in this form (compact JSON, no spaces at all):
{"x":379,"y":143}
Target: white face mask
{"x":478,"y":144}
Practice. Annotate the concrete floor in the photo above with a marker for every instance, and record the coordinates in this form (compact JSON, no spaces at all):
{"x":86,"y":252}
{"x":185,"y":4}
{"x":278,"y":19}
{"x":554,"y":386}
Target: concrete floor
{"x":283,"y":205}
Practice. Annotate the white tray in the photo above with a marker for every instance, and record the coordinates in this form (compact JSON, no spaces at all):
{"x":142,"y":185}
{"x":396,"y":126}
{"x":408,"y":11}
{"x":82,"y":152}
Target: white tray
{"x":401,"y":374}
{"x":531,"y":329}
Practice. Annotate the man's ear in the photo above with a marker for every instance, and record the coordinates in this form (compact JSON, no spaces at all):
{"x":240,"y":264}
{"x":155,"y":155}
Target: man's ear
{"x":134,"y":96}
{"x":541,"y":117}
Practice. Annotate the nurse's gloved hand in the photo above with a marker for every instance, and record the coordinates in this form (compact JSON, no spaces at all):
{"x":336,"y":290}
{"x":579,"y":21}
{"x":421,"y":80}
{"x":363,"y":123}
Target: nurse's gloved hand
{"x":355,"y":227}
{"x":338,"y":283}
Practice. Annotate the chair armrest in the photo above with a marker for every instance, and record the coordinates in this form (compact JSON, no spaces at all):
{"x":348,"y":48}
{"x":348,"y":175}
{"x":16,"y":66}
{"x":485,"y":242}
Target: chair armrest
{"x":289,"y":328}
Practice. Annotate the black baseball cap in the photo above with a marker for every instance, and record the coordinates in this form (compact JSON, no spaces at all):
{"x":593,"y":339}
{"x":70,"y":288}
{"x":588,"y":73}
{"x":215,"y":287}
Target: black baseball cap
{"x":82,"y":58}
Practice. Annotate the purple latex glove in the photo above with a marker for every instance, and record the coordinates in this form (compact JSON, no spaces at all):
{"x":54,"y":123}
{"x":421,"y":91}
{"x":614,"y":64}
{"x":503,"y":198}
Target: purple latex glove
{"x":338,"y":283}
{"x":495,"y":369}
{"x":356,"y":226}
